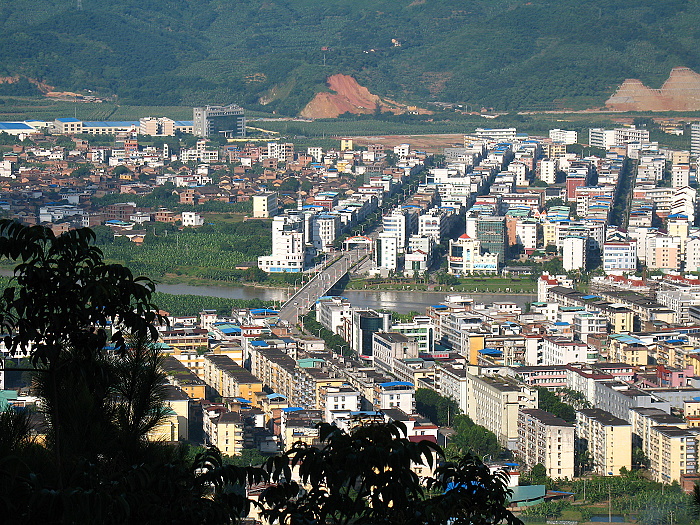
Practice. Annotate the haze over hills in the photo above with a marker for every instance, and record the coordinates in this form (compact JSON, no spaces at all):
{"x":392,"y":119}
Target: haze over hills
{"x":270,"y":54}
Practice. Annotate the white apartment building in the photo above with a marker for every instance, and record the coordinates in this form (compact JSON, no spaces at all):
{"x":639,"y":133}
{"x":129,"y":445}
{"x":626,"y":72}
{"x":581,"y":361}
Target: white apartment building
{"x":324,"y":230}
{"x":281,"y":152}
{"x":386,"y":251}
{"x":398,"y":223}
{"x":587,"y":324}
{"x":526,"y":233}
{"x":435,"y":223}
{"x":402,"y":150}
{"x":316,"y":152}
{"x":680,"y":175}
{"x":692,"y":254}
{"x":288,"y":246}
{"x":498,"y":134}
{"x":574,"y":252}
{"x":520,"y":171}
{"x":547,"y":440}
{"x":562,"y":135}
{"x":619,"y":257}
{"x":339,"y":402}
{"x":601,"y":138}
{"x":695,"y":139}
{"x":334,"y":313}
{"x":561,"y":351}
{"x":265,"y":204}
{"x":395,"y":394}
{"x":548,"y":170}
{"x":631,"y":134}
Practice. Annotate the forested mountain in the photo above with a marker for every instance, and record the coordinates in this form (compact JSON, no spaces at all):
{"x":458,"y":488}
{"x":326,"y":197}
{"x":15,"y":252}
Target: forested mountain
{"x":501,"y":53}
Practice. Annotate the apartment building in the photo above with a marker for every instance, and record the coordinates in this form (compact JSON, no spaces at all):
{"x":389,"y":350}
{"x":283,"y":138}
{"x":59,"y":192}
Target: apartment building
{"x":562,"y":135}
{"x":563,"y":351}
{"x":334,"y":313}
{"x":643,"y":420}
{"x":288,"y":246}
{"x":695,"y":139}
{"x":339,"y":402}
{"x":421,"y":330}
{"x":394,"y":394}
{"x":494,"y":402}
{"x":230,"y":380}
{"x":608,"y":440}
{"x":387,"y":347}
{"x":547,"y":440}
{"x":226,"y":432}
{"x":619,"y":257}
{"x":387,"y":251}
{"x":673,"y":453}
{"x":265,"y":204}
{"x":277,"y":370}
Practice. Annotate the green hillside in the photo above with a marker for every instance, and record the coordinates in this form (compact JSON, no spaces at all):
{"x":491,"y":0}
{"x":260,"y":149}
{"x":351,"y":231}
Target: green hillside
{"x":499,"y":53}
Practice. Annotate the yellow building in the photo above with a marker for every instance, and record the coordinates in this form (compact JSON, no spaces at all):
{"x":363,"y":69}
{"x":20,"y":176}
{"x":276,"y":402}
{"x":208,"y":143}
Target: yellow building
{"x":620,"y":319}
{"x":607,"y":438}
{"x":644,"y":419}
{"x":626,"y":349}
{"x":346,"y":144}
{"x":276,"y":369}
{"x":691,"y":412}
{"x":317,"y":381}
{"x":228,"y":434}
{"x":168,"y":429}
{"x":179,"y":402}
{"x":673,"y":453}
{"x":229,"y":379}
{"x":183,"y":378}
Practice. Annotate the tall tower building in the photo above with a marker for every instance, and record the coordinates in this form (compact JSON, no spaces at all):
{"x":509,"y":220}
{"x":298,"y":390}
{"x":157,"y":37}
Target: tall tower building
{"x":212,"y":121}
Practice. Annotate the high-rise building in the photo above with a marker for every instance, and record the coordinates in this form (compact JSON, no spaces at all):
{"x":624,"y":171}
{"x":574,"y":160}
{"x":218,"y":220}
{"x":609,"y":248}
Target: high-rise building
{"x":212,"y":121}
{"x":547,"y":440}
{"x":288,"y":246}
{"x":386,"y":253}
{"x":364,"y":324}
{"x":491,"y":233}
{"x":695,"y":139}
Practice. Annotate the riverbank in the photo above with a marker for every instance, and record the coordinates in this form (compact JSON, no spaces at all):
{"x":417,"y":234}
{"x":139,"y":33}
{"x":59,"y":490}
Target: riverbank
{"x":511,"y":287}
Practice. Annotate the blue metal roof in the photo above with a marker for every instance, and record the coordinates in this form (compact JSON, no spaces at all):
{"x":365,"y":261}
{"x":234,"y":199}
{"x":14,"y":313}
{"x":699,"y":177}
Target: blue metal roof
{"x":68,"y":119}
{"x":15,"y":126}
{"x":396,"y":383}
{"x":184,"y":122}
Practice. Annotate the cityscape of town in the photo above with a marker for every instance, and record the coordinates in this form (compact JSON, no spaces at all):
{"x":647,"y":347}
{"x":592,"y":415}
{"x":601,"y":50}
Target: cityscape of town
{"x":598,"y":377}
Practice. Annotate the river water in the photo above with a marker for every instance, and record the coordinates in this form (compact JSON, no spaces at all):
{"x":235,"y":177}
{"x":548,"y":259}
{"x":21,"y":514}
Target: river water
{"x":401,"y":302}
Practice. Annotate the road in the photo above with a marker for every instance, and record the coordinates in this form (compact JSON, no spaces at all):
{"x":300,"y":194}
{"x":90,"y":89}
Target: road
{"x":303,"y":300}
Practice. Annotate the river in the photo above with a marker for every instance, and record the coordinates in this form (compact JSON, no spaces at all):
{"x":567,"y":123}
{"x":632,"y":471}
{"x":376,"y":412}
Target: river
{"x":401,"y":302}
